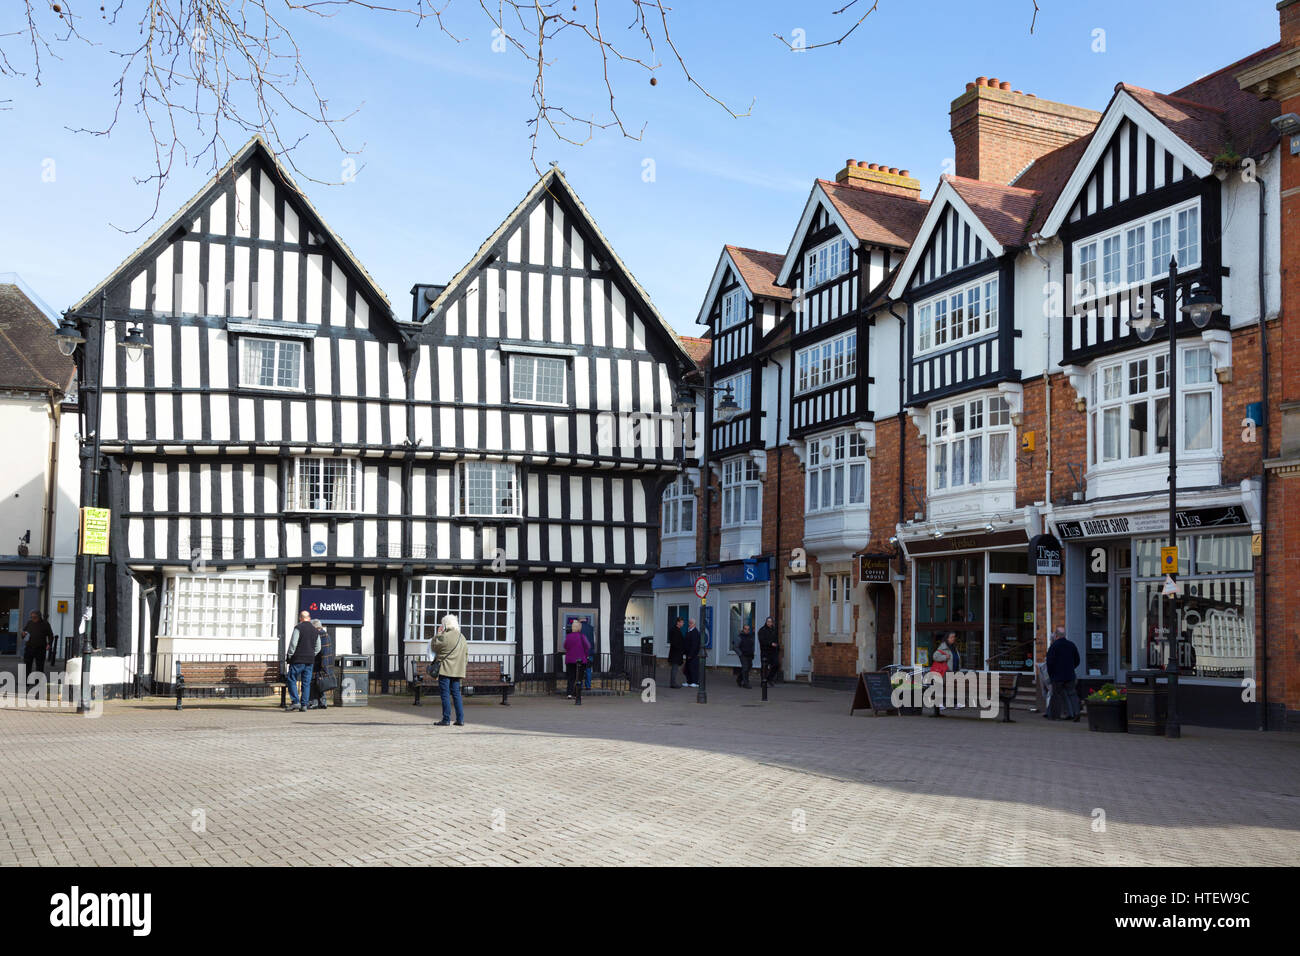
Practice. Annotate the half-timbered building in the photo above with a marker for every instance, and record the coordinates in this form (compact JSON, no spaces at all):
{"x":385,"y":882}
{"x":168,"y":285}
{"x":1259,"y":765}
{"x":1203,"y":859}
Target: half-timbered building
{"x":287,"y":444}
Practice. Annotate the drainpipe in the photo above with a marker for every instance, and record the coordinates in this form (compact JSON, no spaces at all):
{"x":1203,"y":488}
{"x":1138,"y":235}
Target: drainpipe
{"x":1263,"y":427}
{"x":902,"y":470}
{"x":1034,"y":243}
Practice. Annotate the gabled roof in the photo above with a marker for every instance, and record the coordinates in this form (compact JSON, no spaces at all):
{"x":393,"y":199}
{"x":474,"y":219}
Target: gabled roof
{"x":30,"y":359}
{"x":186,"y":212}
{"x":871,"y":215}
{"x":698,"y":349}
{"x":1004,"y":210}
{"x":553,"y":182}
{"x":757,"y":271}
{"x":1197,"y":124}
{"x":1001,"y":204}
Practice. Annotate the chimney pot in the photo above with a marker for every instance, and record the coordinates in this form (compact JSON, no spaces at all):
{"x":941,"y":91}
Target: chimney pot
{"x":862,"y":164}
{"x":1005,"y":85}
{"x":902,"y":172}
{"x":850,"y":162}
{"x":981,"y":81}
{"x":993,"y":82}
{"x":893,"y":170}
{"x":872,"y":166}
{"x":969,"y":87}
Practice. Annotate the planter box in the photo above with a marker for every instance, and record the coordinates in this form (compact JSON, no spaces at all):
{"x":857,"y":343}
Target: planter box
{"x":1108,"y":716}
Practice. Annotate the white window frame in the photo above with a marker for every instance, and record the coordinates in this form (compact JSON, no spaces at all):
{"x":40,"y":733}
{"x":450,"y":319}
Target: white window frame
{"x":734,"y":309}
{"x":827,"y":363}
{"x":740,"y":390}
{"x":985,"y":418}
{"x":302,"y":465}
{"x":834,"y":459}
{"x":437,"y":595}
{"x":280,"y":346}
{"x":499,"y":471}
{"x":826,"y":262}
{"x":678,"y":513}
{"x":1136,"y":261}
{"x":1119,"y":385}
{"x":532,"y":398}
{"x":956,"y":315}
{"x":742,"y":493}
{"x":243,"y":606}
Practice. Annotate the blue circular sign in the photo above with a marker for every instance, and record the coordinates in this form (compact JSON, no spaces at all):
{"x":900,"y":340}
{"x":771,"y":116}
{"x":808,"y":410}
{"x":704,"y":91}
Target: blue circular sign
{"x":318,"y":547}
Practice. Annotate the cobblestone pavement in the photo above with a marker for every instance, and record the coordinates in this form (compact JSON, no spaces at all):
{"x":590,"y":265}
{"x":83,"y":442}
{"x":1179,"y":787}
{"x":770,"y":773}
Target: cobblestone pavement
{"x":621,"y":781}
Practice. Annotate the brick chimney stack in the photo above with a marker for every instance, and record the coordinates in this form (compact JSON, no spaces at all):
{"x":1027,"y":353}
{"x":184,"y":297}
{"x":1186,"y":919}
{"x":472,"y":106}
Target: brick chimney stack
{"x":1288,"y":12}
{"x":884,"y":179}
{"x":998,"y":131}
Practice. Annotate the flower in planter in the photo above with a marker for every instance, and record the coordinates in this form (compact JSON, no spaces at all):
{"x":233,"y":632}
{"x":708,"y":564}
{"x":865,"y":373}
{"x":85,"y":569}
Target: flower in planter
{"x":1108,"y":693}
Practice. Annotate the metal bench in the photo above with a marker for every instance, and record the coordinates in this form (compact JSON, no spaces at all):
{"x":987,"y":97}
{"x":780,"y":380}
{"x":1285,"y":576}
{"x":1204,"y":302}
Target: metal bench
{"x":479,"y":676}
{"x":1008,"y":687}
{"x":228,"y":675}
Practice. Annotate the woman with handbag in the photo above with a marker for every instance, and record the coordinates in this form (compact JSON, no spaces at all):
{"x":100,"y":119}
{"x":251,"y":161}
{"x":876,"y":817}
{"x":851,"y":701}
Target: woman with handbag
{"x":451,"y":654}
{"x":322,"y":673}
{"x":940,"y":659}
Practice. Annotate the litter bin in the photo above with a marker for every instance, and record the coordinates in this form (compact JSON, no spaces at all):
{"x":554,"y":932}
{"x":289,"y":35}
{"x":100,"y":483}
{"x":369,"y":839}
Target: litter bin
{"x":648,"y":647}
{"x":353,"y":672}
{"x":1148,"y":701}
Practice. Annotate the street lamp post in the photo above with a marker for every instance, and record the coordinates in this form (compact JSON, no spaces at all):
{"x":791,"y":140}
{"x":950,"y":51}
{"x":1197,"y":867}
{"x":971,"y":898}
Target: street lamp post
{"x":1200,"y":308}
{"x":726,"y":410}
{"x":72,"y":342}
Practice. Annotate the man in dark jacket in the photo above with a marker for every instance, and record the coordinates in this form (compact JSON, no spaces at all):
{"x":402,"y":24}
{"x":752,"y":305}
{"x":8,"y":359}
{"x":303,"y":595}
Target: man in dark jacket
{"x":39,"y":637}
{"x":1062,"y":663}
{"x":322,"y":673}
{"x":300,"y":655}
{"x":769,"y":650}
{"x":691,"y":654}
{"x":676,"y":644}
{"x":743,"y":646}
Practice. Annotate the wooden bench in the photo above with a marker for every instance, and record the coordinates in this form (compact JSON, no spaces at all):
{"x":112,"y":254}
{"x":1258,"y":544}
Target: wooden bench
{"x":479,"y":676}
{"x":228,"y":675}
{"x":1008,"y":687}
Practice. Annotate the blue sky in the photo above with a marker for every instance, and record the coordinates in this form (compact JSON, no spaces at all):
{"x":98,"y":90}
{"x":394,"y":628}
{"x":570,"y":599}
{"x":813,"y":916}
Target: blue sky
{"x":445,"y":142}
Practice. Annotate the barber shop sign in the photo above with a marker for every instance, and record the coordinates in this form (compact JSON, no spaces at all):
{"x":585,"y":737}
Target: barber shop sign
{"x":1045,"y":555}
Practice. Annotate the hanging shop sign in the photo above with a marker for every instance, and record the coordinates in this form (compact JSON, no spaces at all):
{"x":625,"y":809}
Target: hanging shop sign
{"x":1045,"y":555}
{"x":874,"y":568}
{"x":94,"y":530}
{"x":1190,"y":519}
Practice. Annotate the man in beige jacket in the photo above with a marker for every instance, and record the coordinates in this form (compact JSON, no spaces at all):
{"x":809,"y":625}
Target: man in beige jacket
{"x":452,"y":654}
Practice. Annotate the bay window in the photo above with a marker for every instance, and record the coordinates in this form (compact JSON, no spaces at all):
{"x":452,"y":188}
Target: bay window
{"x":1129,"y":406}
{"x":1138,"y":252}
{"x":826,"y":262}
{"x":837,"y":471}
{"x":957,"y":314}
{"x":826,"y":363}
{"x":741,"y":492}
{"x":971,"y":444}
{"x":679,"y":508}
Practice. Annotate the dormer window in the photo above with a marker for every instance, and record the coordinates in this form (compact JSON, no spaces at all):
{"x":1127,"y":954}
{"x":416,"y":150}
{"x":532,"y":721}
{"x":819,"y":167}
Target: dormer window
{"x":735,"y":309}
{"x":826,"y":262}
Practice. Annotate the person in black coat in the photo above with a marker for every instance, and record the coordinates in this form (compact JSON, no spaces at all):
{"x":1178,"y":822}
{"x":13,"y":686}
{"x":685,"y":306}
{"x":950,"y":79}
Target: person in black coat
{"x":322,"y":675}
{"x":742,"y":645}
{"x":1062,"y":664}
{"x":691,"y":654}
{"x":676,"y":648}
{"x":769,"y":649}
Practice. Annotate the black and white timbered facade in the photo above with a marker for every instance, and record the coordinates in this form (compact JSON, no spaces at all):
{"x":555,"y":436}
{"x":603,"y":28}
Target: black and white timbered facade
{"x":501,"y":458}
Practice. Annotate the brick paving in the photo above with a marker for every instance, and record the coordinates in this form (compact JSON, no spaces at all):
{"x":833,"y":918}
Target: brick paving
{"x":621,"y":781}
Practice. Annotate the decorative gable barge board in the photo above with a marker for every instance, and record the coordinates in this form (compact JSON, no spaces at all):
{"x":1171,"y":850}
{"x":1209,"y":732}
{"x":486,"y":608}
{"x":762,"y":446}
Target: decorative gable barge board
{"x":962,"y":368}
{"x":1092,"y":334}
{"x":953,"y":248}
{"x":1133,"y":164}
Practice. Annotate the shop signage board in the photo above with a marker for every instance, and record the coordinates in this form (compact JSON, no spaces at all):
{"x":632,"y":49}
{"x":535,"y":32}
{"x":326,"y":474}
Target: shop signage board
{"x":94,"y":530}
{"x":1169,"y":560}
{"x":344,"y":607}
{"x":874,"y":690}
{"x":1152,"y":522}
{"x":874,"y":568}
{"x":1045,"y":555}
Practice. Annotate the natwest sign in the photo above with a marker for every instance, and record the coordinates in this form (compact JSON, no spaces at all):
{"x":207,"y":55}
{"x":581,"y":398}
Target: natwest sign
{"x":342,"y":606}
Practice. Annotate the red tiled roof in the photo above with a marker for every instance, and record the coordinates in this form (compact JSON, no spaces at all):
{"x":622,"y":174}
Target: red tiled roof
{"x":698,"y":349}
{"x":875,"y":216}
{"x":759,"y":270}
{"x":29,"y":354}
{"x":1005,"y":210}
{"x":1048,"y":175}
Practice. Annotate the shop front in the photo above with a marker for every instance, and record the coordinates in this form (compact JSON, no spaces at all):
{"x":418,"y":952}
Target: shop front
{"x":739,"y":595}
{"x":980,"y":587}
{"x":1122,"y":615}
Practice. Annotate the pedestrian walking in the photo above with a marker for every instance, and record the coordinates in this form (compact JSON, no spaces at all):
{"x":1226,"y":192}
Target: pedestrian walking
{"x":1062,"y":668}
{"x":322,"y":674}
{"x":577,"y":650}
{"x":691,"y":654}
{"x":954,"y":663}
{"x":300,"y":657}
{"x":451,"y":653}
{"x":676,"y":650}
{"x":940,"y":662}
{"x":742,"y":645}
{"x":769,"y":650}
{"x":38,"y":637}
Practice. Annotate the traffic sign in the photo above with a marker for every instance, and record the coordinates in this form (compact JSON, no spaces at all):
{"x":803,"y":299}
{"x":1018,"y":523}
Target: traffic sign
{"x":1169,"y":560}
{"x":701,"y":587}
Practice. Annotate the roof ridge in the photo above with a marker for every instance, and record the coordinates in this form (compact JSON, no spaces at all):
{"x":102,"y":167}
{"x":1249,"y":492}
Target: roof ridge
{"x":952,"y":178}
{"x":1277,"y":44}
{"x":1176,"y":99}
{"x":857,"y":187}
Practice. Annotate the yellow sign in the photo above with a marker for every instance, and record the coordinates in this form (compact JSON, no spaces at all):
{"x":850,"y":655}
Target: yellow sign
{"x":94,"y":530}
{"x":1256,"y":545}
{"x":63,"y":607}
{"x":1169,"y":560}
